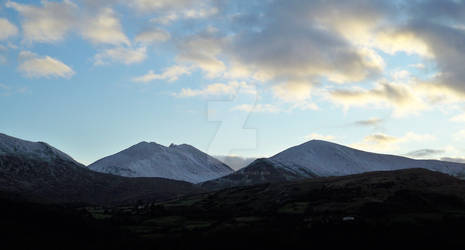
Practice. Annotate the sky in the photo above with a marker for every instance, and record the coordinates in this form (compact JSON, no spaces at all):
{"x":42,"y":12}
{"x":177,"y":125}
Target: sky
{"x":245,"y":78}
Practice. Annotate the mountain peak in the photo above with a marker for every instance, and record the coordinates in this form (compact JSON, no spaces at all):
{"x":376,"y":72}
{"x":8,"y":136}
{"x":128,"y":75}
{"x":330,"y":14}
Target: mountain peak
{"x":40,"y":150}
{"x":179,"y":162}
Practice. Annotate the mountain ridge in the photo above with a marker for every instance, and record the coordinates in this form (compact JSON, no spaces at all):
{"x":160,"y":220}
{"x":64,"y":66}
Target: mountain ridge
{"x":39,"y":172}
{"x":318,"y":158}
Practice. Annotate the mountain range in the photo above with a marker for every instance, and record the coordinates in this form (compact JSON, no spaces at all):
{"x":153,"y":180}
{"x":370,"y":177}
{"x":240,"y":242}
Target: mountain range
{"x":151,"y":171}
{"x":39,"y":172}
{"x":318,"y":158}
{"x":283,"y":202}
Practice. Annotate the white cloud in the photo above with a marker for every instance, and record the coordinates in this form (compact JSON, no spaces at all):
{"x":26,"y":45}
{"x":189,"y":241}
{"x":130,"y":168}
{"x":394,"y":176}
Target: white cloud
{"x":150,"y":5}
{"x":104,"y":28}
{"x":402,"y":41}
{"x":165,"y":19}
{"x":292,"y":91}
{"x":152,"y":36}
{"x":458,"y":118}
{"x":200,"y":13}
{"x":400,"y":74}
{"x":6,"y":90}
{"x":47,"y":23}
{"x":218,"y":89}
{"x":171,"y":74}
{"x":122,"y":55}
{"x":32,"y":65}
{"x":7,"y":29}
{"x":257,"y":108}
{"x":417,"y":66}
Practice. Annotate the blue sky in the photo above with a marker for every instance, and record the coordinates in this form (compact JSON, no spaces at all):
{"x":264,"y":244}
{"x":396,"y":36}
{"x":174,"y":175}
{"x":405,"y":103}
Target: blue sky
{"x":246,"y":78}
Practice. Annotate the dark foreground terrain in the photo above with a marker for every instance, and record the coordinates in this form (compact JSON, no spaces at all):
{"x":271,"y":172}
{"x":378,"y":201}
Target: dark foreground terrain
{"x":380,"y":210}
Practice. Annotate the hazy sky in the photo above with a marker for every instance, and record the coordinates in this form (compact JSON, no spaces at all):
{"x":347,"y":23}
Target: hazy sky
{"x":247,"y":78}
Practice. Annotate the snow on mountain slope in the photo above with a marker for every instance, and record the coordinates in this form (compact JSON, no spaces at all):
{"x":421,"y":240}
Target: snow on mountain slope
{"x":37,"y":150}
{"x":321,"y":158}
{"x":178,"y":162}
{"x":329,"y":159}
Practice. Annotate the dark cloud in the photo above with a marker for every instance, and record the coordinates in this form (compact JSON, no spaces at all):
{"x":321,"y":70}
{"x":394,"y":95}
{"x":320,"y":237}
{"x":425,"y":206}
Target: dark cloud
{"x":373,"y":122}
{"x":458,"y":160}
{"x":423,"y":153}
{"x":291,"y":45}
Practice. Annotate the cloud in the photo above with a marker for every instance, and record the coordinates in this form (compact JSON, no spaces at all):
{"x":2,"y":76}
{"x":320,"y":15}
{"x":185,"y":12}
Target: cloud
{"x":417,"y":66}
{"x":34,"y":66}
{"x":400,"y":75}
{"x":453,"y":159}
{"x":257,"y":108}
{"x":292,"y":91}
{"x":104,"y":28}
{"x":220,"y":89}
{"x":399,"y":96}
{"x":171,"y":74}
{"x":200,"y":13}
{"x":152,"y":36}
{"x":48,"y":23}
{"x":372,"y":122}
{"x":424,"y":153}
{"x":7,"y":29}
{"x":315,"y":136}
{"x":288,"y":52}
{"x":6,"y":90}
{"x":458,"y":118}
{"x":393,"y":41}
{"x":202,"y":51}
{"x":386,"y":143}
{"x":299,"y":41}
{"x":160,"y":5}
{"x":165,"y":19}
{"x":121,"y":55}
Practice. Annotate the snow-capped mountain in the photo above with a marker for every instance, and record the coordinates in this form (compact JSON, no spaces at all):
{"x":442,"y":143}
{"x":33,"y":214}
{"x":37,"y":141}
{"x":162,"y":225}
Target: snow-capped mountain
{"x":324,"y":158}
{"x":318,"y":158}
{"x":36,"y":150}
{"x":38,"y":171}
{"x":177,"y":162}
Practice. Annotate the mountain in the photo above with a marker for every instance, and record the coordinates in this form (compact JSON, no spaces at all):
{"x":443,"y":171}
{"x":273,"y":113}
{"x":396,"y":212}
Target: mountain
{"x":321,"y":158}
{"x":37,"y":171}
{"x":177,"y":162}
{"x":32,"y":150}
